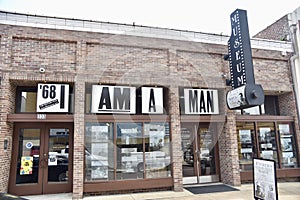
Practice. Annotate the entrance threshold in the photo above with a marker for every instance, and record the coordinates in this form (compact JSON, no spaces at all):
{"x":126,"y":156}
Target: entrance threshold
{"x":200,"y":179}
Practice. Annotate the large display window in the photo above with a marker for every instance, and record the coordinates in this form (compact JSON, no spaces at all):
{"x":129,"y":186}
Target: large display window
{"x":130,"y":158}
{"x":157,"y":150}
{"x":246,"y":144}
{"x":127,"y":151}
{"x":268,"y":140}
{"x":287,"y":146}
{"x":99,"y":152}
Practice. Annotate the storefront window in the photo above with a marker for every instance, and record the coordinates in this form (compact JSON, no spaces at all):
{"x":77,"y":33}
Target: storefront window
{"x":274,"y":142}
{"x":130,"y":158}
{"x":287,"y":144}
{"x":246,"y":144}
{"x":267,"y":141}
{"x":139,"y":151}
{"x":99,"y":152}
{"x":157,"y":150}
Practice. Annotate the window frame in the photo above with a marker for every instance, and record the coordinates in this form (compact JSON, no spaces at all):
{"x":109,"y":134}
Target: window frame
{"x":255,"y":144}
{"x":91,"y":120}
{"x":18,"y":99}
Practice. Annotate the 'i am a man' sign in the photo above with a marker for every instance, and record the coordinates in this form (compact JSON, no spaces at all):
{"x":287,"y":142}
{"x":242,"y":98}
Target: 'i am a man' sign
{"x":201,"y":101}
{"x":122,"y":99}
{"x":113,"y":99}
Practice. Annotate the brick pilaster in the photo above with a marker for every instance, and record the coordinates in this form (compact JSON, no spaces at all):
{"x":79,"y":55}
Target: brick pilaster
{"x":176,"y":138}
{"x":78,"y":161}
{"x":228,"y":152}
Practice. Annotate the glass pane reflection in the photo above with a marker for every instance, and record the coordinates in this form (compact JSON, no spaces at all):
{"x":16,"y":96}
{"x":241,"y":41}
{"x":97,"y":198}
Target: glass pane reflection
{"x":28,"y":156}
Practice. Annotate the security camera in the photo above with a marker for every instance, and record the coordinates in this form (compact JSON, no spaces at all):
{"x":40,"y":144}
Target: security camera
{"x":42,"y":70}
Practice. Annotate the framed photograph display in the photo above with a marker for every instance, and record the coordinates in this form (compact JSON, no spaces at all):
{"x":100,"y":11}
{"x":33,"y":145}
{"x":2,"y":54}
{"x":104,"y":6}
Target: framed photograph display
{"x":246,"y":144}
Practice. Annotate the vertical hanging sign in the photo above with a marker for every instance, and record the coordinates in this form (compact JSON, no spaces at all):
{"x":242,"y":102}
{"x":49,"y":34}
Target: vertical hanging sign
{"x":239,"y":51}
{"x":52,"y":98}
{"x":245,"y":93}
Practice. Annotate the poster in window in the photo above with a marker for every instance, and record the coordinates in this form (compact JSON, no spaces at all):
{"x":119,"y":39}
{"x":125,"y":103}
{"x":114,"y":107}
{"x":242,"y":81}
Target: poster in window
{"x":156,"y":134}
{"x":284,"y":129}
{"x":245,"y":136}
{"x":288,"y":159}
{"x":130,"y":158}
{"x":286,"y":144}
{"x":99,"y":172}
{"x":129,"y":135}
{"x":99,"y":133}
{"x":99,"y":156}
{"x":52,"y":159}
{"x":26,"y":165}
{"x":268,"y":154}
{"x":263,"y":133}
{"x":157,"y":139}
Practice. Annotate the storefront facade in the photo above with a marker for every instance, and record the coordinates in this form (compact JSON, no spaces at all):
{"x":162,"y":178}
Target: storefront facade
{"x":91,"y":107}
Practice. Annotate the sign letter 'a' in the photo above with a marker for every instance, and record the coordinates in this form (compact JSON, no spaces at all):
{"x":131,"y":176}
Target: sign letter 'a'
{"x":152,"y":100}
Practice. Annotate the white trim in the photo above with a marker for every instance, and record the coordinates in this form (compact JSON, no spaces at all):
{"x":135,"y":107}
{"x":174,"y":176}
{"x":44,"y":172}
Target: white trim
{"x":126,"y":29}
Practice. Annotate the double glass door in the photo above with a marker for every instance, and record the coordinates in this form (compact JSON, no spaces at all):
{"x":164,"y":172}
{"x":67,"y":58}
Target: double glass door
{"x":41,"y":159}
{"x":199,"y":147}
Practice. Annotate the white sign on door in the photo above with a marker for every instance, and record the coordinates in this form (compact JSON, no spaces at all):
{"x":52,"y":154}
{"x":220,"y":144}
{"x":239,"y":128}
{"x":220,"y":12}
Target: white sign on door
{"x":52,"y":98}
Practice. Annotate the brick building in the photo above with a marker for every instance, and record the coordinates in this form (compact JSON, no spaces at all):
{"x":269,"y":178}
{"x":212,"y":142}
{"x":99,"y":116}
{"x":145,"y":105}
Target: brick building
{"x":93,"y":107}
{"x":287,"y":28}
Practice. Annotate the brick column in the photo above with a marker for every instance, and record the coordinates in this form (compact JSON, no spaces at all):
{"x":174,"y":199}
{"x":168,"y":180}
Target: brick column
{"x":5,"y":131}
{"x":78,"y":159}
{"x":228,"y":152}
{"x":176,"y":138}
{"x":7,"y":102}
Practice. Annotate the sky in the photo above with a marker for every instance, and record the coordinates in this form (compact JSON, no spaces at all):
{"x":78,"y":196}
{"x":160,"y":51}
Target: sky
{"x":208,"y":16}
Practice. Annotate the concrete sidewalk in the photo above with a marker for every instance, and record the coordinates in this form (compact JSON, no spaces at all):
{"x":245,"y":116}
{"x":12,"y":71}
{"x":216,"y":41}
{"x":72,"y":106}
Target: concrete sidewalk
{"x":286,"y":191}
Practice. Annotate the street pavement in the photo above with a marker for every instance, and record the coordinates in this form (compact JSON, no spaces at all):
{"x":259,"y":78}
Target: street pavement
{"x":286,"y":191}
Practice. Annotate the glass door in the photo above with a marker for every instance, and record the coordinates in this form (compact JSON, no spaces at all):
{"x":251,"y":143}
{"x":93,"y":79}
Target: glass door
{"x":199,"y":154}
{"x":42,"y":159}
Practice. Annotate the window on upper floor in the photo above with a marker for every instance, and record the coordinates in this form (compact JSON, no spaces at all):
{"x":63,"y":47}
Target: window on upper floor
{"x":26,"y":99}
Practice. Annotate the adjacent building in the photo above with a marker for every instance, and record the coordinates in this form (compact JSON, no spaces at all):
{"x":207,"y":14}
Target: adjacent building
{"x":90,"y":108}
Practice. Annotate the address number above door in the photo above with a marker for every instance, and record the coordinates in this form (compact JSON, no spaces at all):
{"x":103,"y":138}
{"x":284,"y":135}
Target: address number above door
{"x":52,"y":98}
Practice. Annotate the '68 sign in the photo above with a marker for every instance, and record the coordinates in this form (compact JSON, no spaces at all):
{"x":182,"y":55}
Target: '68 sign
{"x":52,"y":98}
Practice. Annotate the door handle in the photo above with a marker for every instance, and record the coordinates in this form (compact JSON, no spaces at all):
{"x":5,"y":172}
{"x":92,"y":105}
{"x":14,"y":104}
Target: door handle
{"x":43,"y":161}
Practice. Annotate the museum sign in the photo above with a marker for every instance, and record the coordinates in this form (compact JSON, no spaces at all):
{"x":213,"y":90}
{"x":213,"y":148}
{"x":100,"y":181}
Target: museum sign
{"x":245,"y":93}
